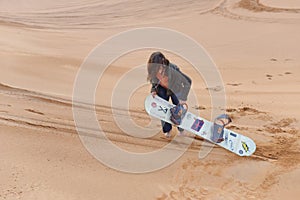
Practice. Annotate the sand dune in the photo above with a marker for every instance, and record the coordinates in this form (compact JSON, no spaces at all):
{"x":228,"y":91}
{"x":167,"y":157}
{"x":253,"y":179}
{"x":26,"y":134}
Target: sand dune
{"x":66,"y":14}
{"x":254,"y":43}
{"x":286,"y":4}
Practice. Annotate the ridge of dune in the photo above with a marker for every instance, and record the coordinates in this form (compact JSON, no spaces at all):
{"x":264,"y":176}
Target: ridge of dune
{"x":257,"y":6}
{"x":254,"y":10}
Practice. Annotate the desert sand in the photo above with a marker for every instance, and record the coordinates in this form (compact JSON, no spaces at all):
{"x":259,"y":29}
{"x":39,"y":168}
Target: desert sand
{"x":254,"y":44}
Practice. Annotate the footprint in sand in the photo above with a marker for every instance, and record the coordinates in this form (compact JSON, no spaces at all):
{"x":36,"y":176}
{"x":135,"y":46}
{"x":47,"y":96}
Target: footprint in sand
{"x":244,"y":110}
{"x":200,"y":107}
{"x":282,"y":126}
{"x":273,"y":59}
{"x":236,"y":113}
{"x":269,"y":76}
{"x":34,"y":111}
{"x":234,"y":84}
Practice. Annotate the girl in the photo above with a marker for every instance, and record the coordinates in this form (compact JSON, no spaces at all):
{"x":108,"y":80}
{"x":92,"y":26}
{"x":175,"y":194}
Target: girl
{"x":168,"y":81}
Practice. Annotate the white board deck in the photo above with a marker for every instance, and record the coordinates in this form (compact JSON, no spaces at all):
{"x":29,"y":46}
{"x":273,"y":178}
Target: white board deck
{"x":233,"y":141}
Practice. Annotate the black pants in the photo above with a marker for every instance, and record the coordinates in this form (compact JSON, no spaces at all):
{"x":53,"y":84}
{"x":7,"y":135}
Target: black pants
{"x":163,"y":93}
